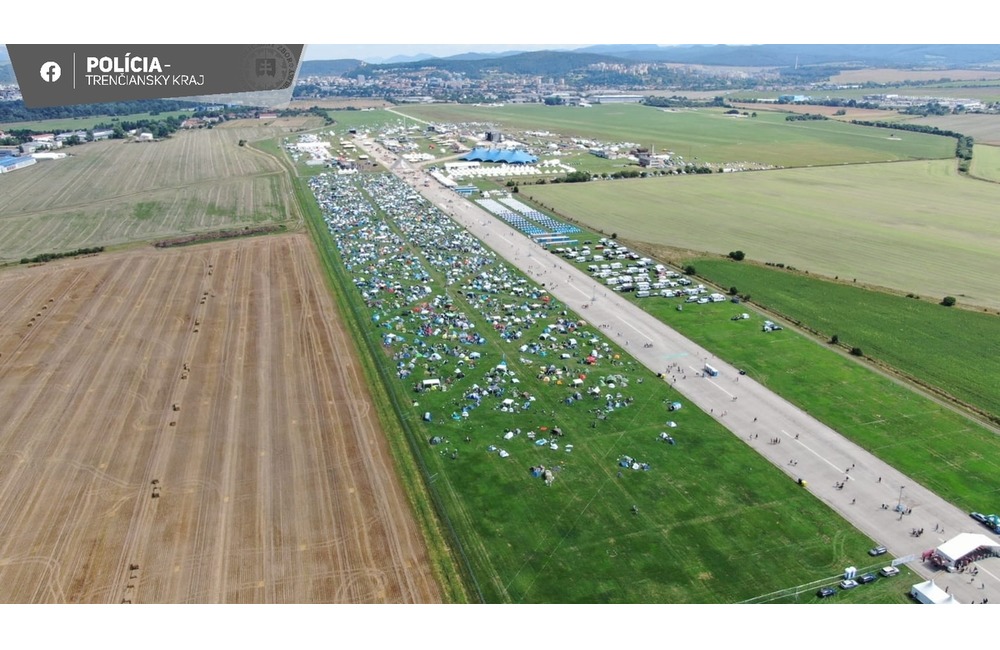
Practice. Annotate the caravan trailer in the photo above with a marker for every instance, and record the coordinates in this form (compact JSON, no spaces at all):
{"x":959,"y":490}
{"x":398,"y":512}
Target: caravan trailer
{"x":711,"y":371}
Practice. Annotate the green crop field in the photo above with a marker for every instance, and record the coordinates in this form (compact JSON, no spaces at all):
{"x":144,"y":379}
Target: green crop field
{"x":917,"y":226}
{"x":118,"y":191}
{"x":706,"y":135}
{"x":956,"y":350}
{"x":712,"y":515}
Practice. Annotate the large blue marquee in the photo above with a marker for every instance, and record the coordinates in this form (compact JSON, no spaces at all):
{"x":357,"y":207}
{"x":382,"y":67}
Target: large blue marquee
{"x":517,"y":157}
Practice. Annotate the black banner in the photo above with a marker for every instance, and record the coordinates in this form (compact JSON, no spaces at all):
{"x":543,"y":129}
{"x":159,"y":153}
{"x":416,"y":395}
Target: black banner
{"x":62,"y":75}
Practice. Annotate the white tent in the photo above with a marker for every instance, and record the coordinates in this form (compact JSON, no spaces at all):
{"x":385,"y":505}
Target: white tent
{"x":962,"y":545}
{"x":929,"y":593}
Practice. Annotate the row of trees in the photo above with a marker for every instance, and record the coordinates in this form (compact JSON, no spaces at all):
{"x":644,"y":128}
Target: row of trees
{"x":16,"y":112}
{"x":678,"y":101}
{"x":837,"y":102}
{"x":46,"y":257}
{"x":805,"y":117}
{"x":963,"y":144}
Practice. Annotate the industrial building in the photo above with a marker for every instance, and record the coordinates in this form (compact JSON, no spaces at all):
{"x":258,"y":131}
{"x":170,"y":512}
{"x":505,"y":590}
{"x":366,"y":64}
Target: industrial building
{"x":9,"y":163}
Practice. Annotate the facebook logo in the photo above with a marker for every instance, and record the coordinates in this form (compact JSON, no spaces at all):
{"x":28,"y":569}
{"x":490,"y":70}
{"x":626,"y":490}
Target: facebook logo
{"x":51,"y":71}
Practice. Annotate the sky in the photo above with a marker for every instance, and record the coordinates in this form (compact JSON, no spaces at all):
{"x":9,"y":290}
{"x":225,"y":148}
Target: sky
{"x":447,"y":27}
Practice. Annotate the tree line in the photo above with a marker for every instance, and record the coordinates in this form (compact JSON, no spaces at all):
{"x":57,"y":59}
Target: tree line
{"x":963,"y":145}
{"x":16,"y":112}
{"x":804,"y":117}
{"x":46,"y":257}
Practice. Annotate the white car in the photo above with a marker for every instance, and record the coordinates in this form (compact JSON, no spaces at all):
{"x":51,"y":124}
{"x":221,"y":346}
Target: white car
{"x":848,"y":584}
{"x":889,"y":571}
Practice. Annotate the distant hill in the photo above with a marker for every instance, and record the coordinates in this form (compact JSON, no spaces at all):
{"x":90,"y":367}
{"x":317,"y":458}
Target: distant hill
{"x":4,"y":57}
{"x":829,"y":55}
{"x":332,"y":68}
{"x":544,"y":62}
{"x":825,"y":59}
{"x":615,"y":50}
{"x":6,"y":73}
{"x":401,"y":58}
{"x":481,"y":56}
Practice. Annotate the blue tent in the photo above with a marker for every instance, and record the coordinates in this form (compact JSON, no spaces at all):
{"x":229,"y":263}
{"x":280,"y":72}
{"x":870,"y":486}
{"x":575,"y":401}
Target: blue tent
{"x":483,"y":154}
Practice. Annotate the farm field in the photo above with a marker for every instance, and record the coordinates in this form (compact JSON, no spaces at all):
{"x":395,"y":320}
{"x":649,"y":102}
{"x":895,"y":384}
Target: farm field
{"x":695,"y":533}
{"x":706,"y":135}
{"x":985,"y":129}
{"x":896,"y":76}
{"x":116,"y":191}
{"x":985,"y":91}
{"x":915,"y":226}
{"x":192,"y":426}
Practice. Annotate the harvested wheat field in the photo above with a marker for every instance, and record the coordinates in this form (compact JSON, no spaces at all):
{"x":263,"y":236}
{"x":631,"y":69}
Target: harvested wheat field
{"x":191,"y":425}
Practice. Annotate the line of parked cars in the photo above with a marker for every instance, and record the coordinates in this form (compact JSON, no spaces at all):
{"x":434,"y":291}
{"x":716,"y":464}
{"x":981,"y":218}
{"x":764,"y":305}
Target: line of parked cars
{"x":851,"y":583}
{"x":990,"y":521}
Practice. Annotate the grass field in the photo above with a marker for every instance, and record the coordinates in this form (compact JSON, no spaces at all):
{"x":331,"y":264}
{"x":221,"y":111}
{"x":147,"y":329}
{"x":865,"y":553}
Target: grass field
{"x":702,"y":506}
{"x":339,"y":103}
{"x":956,"y":350}
{"x":84,"y":123}
{"x":367,"y":119}
{"x":117,"y":191}
{"x":706,"y":135}
{"x":986,"y":163}
{"x":917,"y":226}
{"x":871,"y":114}
{"x":943,"y":450}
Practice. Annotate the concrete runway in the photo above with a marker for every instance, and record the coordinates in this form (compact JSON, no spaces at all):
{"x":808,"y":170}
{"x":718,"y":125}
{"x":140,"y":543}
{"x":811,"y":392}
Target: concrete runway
{"x":807,"y":449}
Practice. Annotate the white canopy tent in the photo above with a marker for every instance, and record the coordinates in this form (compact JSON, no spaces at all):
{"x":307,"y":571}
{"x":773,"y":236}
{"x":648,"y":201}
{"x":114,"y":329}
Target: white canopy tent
{"x":962,"y":545}
{"x":929,"y":593}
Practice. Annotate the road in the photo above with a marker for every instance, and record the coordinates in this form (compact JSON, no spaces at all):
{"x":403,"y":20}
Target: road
{"x":805,"y":447}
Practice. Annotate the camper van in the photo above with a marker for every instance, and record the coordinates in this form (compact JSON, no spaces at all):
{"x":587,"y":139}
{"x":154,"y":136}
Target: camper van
{"x":711,"y":371}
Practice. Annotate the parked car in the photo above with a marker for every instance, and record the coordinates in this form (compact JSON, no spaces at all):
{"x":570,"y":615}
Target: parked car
{"x":826,"y":592}
{"x":981,"y":518}
{"x":866,"y":578}
{"x":848,"y":584}
{"x":878,"y":550}
{"x":888,"y":572}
